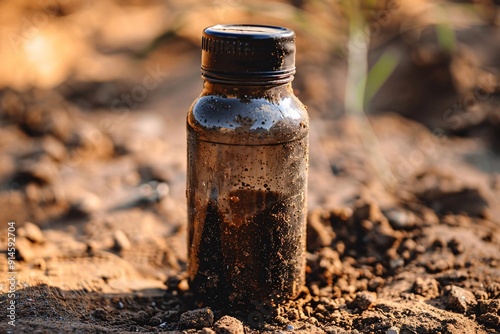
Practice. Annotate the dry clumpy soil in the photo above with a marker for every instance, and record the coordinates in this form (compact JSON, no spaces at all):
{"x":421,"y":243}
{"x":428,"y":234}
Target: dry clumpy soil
{"x":108,"y":253}
{"x":403,"y":227}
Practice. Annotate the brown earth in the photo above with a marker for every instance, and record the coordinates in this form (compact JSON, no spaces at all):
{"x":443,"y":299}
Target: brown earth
{"x":404,"y":215}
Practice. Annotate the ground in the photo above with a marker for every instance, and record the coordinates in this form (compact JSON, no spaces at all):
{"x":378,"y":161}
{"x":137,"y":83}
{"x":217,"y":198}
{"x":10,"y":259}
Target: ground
{"x":403,"y":231}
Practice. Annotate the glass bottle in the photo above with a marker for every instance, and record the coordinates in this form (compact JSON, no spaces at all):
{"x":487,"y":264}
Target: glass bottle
{"x":247,"y":170}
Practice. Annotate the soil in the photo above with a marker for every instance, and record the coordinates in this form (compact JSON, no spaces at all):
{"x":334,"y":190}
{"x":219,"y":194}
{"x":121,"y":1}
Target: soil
{"x":403,"y":231}
{"x":233,"y":258}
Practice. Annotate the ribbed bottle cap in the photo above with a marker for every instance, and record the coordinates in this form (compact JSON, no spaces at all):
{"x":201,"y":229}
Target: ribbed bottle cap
{"x":248,"y":54}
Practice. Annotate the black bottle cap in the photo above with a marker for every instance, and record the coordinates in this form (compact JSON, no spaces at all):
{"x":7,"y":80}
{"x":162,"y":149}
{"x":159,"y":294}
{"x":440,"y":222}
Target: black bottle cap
{"x":248,"y":54}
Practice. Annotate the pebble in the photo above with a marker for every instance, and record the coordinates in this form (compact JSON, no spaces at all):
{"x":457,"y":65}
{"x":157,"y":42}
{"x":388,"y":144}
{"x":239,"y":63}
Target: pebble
{"x":199,"y":318}
{"x":393,"y":330}
{"x":458,"y":299}
{"x":396,"y":263}
{"x":229,"y":325}
{"x":32,"y":232}
{"x":400,"y":219}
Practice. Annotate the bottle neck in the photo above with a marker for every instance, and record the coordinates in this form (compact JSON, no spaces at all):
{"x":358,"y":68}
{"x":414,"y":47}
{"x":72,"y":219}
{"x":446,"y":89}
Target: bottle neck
{"x":268,"y":91}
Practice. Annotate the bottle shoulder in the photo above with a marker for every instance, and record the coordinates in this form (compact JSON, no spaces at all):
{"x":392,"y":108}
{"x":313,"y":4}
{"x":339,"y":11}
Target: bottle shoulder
{"x":247,"y":121}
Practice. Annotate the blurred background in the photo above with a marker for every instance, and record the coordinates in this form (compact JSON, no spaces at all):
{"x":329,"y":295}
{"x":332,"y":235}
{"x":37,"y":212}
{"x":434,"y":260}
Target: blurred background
{"x":93,"y":98}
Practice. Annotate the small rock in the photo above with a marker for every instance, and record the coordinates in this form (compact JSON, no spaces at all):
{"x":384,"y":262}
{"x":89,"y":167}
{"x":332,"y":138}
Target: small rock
{"x":393,"y":330}
{"x":154,"y":191}
{"x":396,"y":263}
{"x":400,"y":219}
{"x":229,"y":325}
{"x":364,"y":300}
{"x":121,"y":241}
{"x":32,"y":232}
{"x":203,"y":317}
{"x":459,"y":300}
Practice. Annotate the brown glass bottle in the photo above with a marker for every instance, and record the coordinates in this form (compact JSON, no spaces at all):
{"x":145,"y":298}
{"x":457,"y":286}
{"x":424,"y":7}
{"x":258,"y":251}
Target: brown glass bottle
{"x":247,"y":170}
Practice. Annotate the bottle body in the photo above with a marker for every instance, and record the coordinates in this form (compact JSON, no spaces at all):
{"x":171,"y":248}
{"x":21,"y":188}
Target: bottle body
{"x":246,"y":190}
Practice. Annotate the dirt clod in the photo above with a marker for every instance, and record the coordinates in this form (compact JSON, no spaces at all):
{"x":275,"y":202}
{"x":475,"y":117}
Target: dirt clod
{"x":319,"y":234}
{"x":458,"y":299}
{"x":427,"y":287}
{"x":403,"y":204}
{"x":142,"y":317}
{"x":490,"y":319}
{"x":228,"y":325}
{"x":364,"y":300}
{"x":101,"y":314}
{"x":197,"y":319}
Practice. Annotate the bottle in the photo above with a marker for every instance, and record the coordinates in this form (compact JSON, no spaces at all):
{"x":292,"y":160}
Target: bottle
{"x":247,"y":170}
